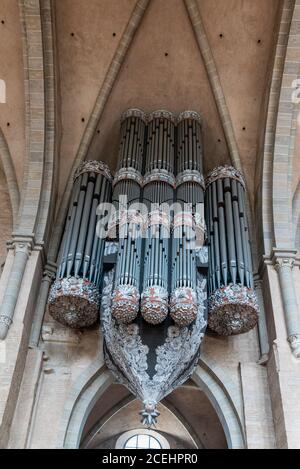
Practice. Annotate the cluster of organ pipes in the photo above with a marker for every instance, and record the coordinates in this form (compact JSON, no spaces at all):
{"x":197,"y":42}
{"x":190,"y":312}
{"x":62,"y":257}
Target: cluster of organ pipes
{"x":75,"y":296}
{"x":160,"y":164}
{"x":233,"y":305}
{"x":166,"y":279}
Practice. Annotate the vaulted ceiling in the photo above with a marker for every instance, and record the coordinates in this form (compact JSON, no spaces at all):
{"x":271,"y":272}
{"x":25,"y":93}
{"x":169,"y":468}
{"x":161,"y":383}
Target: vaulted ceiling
{"x":169,"y":64}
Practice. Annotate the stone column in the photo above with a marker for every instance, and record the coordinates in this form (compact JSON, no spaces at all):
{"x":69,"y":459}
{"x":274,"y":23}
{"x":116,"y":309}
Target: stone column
{"x":48,"y":277}
{"x":262,"y":325}
{"x":284,"y":263}
{"x":22,"y":252}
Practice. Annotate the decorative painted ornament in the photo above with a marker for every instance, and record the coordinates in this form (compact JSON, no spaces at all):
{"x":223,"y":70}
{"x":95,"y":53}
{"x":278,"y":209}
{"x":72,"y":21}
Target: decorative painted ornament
{"x":74,"y":302}
{"x":125,"y":304}
{"x":92,"y":166}
{"x":183,"y":306}
{"x":154,"y":304}
{"x":233,"y":310}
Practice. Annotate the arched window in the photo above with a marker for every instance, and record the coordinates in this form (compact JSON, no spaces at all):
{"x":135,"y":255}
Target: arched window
{"x":142,"y":439}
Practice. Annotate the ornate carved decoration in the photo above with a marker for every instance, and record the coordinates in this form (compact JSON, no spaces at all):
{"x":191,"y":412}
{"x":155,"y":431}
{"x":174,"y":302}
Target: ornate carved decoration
{"x":125,"y":303}
{"x":74,"y":302}
{"x":281,"y":263}
{"x":134,"y":112}
{"x":128,"y":173}
{"x":294,"y":341}
{"x":190,"y":176}
{"x":233,"y":310}
{"x":154,"y":304}
{"x":6,"y":320}
{"x":189,"y":115}
{"x":97,"y":167}
{"x":160,"y":175}
{"x":129,"y":358}
{"x":183,"y":306}
{"x":162,"y":114}
{"x":223,"y":172}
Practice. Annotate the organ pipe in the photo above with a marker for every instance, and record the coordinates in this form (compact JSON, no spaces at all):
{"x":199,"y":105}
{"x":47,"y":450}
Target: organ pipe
{"x":190,"y":196}
{"x":75,"y":295}
{"x":156,"y":269}
{"x":233,"y":307}
{"x":158,"y":196}
{"x":128,"y":183}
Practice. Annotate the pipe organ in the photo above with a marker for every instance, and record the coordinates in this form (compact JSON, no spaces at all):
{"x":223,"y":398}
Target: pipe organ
{"x":128,"y":183}
{"x":188,"y":225}
{"x":233,"y":307}
{"x":75,"y":295}
{"x":151,"y":297}
{"x":158,"y":196}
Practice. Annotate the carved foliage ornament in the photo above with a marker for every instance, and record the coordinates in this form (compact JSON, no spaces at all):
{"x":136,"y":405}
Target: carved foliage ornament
{"x":233,"y":310}
{"x":128,"y":174}
{"x":97,"y":167}
{"x":184,"y":306}
{"x":151,"y":371}
{"x":74,"y":302}
{"x":223,"y":172}
{"x":125,"y":303}
{"x":190,"y":176}
{"x":154,"y":305}
{"x":161,"y":114}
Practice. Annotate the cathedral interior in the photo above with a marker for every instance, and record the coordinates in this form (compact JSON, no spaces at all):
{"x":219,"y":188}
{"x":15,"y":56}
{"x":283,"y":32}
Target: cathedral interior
{"x":164,"y":101}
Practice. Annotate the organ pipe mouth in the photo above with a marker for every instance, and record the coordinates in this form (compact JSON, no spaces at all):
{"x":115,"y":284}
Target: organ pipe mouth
{"x":223,"y":172}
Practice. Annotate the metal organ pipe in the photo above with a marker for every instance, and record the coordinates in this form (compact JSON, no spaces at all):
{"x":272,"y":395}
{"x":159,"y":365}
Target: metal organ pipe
{"x":128,"y":182}
{"x":188,"y":228}
{"x":233,"y":307}
{"x":158,"y":195}
{"x":74,"y":297}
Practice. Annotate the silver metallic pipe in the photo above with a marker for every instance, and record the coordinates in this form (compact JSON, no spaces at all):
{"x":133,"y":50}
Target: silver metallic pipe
{"x":222,"y":233}
{"x":69,"y":230}
{"x":75,"y":232}
{"x":91,"y":227}
{"x":237,"y":231}
{"x":230,"y":230}
{"x":84,"y":224}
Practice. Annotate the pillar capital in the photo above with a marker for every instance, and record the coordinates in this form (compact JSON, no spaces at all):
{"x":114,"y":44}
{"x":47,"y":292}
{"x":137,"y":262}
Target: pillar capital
{"x":23,"y":244}
{"x":50,"y":270}
{"x":283,"y":258}
{"x":294,"y":341}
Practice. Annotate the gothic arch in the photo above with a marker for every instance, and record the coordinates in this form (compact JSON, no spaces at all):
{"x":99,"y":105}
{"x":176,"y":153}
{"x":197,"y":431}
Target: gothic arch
{"x":222,"y":394}
{"x":10,"y":175}
{"x":38,"y":192}
{"x":95,"y":380}
{"x":279,"y":141}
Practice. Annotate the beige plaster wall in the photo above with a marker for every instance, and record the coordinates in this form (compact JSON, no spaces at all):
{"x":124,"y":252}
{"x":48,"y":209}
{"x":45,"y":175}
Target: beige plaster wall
{"x":11,"y":70}
{"x":149,"y":79}
{"x":84,"y":58}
